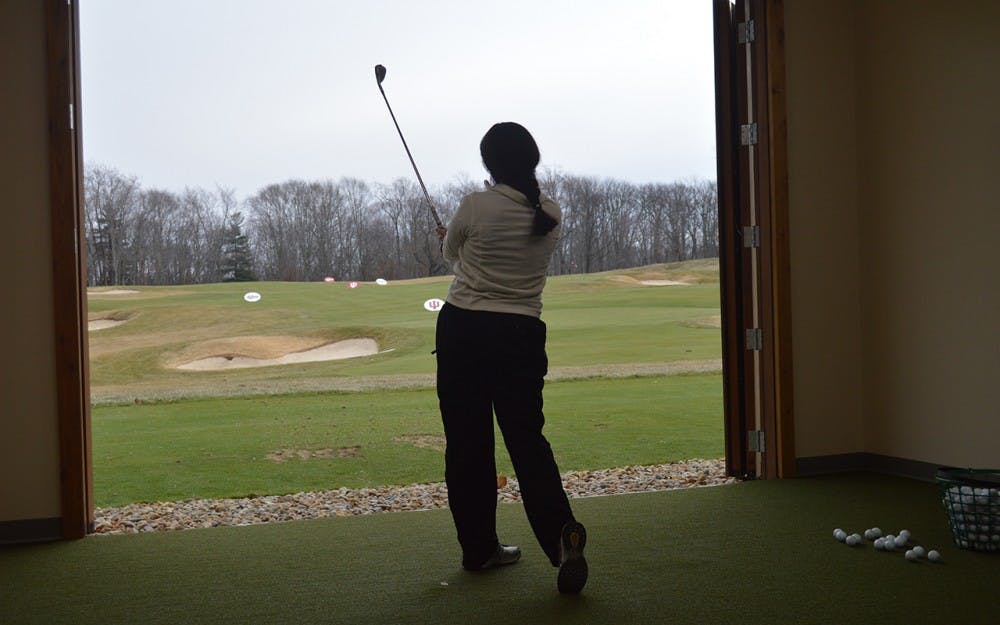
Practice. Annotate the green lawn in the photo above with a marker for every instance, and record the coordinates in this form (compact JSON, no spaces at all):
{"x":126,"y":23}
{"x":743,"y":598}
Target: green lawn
{"x":219,"y":447}
{"x":596,"y":319}
{"x":161,"y":433}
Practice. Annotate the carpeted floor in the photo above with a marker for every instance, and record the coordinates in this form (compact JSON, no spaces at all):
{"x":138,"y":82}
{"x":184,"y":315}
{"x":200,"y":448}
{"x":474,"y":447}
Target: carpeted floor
{"x":751,"y":553}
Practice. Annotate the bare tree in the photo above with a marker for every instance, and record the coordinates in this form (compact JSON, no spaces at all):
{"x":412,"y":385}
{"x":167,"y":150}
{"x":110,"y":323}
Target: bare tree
{"x":398,"y":203}
{"x":305,"y":230}
{"x":272,"y":219}
{"x":707,"y":203}
{"x":110,"y":199}
{"x":618,"y":212}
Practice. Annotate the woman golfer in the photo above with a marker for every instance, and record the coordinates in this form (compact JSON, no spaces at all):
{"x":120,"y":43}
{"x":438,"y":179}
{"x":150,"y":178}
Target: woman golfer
{"x":491,"y":359}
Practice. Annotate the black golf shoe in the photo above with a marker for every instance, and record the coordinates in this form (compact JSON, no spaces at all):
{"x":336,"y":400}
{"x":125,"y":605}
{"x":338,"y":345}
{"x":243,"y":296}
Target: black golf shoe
{"x":573,"y":566}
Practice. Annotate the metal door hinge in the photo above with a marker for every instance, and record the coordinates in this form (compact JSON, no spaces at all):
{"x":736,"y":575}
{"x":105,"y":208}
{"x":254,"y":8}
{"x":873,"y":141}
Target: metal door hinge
{"x":748,"y":134}
{"x":755,"y":441}
{"x":746,"y":32}
{"x":751,"y":236}
{"x":755,"y":339}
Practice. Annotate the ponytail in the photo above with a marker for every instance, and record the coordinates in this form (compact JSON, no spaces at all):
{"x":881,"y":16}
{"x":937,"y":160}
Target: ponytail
{"x":528,"y":185}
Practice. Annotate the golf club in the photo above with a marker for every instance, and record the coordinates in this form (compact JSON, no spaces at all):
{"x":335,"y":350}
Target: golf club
{"x":379,"y":77}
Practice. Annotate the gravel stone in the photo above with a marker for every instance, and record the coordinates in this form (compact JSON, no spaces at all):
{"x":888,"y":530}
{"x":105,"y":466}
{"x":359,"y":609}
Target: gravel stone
{"x":194,"y":513}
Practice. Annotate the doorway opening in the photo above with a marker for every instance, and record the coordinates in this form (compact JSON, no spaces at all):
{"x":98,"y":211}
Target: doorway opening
{"x":628,"y":277}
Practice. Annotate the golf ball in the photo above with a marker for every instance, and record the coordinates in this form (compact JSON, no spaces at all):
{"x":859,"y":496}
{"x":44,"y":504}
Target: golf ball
{"x":879,"y":544}
{"x":876,"y":532}
{"x":852,"y":540}
{"x":889,"y":545}
{"x":933,"y":555}
{"x":869,"y":535}
{"x":920,"y":551}
{"x":911,"y":555}
{"x":901,"y":541}
{"x":840,"y":535}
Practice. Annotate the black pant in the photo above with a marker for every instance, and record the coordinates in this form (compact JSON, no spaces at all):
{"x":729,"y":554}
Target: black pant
{"x":488,"y":362}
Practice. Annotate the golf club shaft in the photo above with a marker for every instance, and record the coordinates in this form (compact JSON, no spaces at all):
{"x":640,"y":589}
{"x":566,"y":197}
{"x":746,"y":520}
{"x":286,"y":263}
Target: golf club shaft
{"x":427,"y":196}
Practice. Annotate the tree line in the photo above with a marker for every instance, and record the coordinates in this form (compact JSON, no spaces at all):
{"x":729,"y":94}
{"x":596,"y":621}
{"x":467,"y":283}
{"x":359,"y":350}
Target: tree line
{"x":350,"y":229}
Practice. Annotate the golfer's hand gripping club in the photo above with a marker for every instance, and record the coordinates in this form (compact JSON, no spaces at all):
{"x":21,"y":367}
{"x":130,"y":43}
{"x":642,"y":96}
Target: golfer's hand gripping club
{"x":379,"y":77}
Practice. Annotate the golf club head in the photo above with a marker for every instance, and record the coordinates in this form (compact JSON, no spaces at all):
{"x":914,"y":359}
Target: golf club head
{"x":380,"y":73}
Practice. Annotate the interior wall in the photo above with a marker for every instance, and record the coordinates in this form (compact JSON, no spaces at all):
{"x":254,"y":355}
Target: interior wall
{"x":928,"y":172}
{"x":823,"y":222}
{"x":29,"y":448}
{"x":894,"y":149}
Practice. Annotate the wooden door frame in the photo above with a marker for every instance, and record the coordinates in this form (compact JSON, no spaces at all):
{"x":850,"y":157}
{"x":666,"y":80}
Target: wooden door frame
{"x":754,"y":179}
{"x":730,"y":262}
{"x":779,"y":309}
{"x":69,"y":267}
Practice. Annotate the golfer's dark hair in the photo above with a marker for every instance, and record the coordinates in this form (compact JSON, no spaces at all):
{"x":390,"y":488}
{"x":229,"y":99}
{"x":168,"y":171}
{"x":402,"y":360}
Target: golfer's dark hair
{"x":511,"y":155}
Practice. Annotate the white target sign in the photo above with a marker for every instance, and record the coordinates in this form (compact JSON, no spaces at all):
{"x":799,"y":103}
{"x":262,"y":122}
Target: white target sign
{"x":252,"y":296}
{"x":434,"y":304}
{"x":381,"y":281}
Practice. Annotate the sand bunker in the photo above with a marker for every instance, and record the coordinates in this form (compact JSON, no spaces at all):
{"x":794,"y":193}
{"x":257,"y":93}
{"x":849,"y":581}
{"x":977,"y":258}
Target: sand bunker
{"x":113,"y":292}
{"x":350,"y":348}
{"x":649,"y":282}
{"x":103,"y":324}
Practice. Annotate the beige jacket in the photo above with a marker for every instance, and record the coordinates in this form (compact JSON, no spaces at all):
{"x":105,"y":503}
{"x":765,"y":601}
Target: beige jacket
{"x":498,"y":264}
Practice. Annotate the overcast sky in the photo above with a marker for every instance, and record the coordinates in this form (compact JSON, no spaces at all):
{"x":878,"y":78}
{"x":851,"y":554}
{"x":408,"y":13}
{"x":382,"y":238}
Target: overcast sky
{"x":244,"y":94}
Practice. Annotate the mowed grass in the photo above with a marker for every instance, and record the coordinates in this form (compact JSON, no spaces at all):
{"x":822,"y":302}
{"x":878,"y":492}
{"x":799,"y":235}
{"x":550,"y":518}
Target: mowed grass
{"x":594,"y":319}
{"x":220,"y":447}
{"x":162,"y":434}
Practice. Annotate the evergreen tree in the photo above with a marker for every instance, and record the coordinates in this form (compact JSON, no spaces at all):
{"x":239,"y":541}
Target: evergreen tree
{"x":237,"y":260}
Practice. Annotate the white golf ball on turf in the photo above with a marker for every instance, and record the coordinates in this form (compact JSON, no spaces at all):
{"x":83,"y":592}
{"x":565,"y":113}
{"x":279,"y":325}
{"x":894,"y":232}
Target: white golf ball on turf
{"x":933,"y":555}
{"x":901,"y":541}
{"x":852,"y":540}
{"x":911,"y":555}
{"x":904,"y":533}
{"x":869,"y":535}
{"x":876,"y":532}
{"x":889,"y":545}
{"x":920,"y":551}
{"x":840,"y":535}
{"x":879,"y":544}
